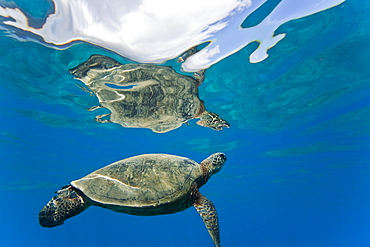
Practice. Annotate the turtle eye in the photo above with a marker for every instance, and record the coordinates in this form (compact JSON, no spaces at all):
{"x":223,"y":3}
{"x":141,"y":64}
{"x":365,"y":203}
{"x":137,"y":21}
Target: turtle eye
{"x":222,"y":156}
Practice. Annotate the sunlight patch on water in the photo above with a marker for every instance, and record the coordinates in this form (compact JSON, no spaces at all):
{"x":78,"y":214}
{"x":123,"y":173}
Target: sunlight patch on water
{"x":59,"y":120}
{"x":25,"y":184}
{"x":9,"y":137}
{"x":160,"y":30}
{"x":205,"y":145}
{"x":293,"y":177}
{"x":354,"y":123}
{"x":308,"y":149}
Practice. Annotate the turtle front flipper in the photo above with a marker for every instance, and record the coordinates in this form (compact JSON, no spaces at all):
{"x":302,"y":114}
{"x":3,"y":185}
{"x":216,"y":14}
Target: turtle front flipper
{"x":66,"y":204}
{"x":207,"y":212}
{"x":212,"y":120}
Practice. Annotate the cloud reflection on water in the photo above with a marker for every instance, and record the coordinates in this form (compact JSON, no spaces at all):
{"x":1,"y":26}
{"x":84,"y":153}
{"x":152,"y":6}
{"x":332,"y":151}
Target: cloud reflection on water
{"x":160,"y":30}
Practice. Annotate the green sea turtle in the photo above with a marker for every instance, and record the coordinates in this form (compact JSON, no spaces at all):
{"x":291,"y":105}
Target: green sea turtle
{"x":149,"y":184}
{"x":144,"y":95}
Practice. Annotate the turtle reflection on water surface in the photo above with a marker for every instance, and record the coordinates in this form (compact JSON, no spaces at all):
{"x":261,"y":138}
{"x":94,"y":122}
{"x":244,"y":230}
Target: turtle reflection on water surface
{"x":144,"y":95}
{"x":148,"y":184}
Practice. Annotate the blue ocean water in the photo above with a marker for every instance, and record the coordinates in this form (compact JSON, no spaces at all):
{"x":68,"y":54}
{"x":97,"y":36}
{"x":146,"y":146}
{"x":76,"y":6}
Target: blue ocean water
{"x":297,"y":173}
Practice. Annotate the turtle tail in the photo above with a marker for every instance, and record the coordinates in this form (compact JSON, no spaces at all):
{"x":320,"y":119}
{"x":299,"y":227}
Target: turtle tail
{"x":67,"y":203}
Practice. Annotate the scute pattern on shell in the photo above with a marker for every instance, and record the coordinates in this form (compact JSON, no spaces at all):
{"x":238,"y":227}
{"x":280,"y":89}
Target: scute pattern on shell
{"x":144,"y":180}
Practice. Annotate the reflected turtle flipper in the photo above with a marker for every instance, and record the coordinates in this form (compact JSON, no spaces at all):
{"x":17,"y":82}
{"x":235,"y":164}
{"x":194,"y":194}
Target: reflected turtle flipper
{"x":95,"y":108}
{"x":100,"y":120}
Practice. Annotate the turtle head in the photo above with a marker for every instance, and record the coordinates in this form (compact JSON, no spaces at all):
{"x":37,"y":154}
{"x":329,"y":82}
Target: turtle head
{"x":213,"y":121}
{"x":214,"y":163}
{"x":66,"y":204}
{"x":98,"y":62}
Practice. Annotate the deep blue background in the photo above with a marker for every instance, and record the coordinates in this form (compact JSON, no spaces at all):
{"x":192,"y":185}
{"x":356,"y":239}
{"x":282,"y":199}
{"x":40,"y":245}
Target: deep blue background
{"x":298,"y":150}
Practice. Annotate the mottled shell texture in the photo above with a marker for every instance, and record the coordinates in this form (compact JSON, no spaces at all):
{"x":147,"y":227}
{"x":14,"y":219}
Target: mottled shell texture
{"x":146,"y":96}
{"x":144,"y":180}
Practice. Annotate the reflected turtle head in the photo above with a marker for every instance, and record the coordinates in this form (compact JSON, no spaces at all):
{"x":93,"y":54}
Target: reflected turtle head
{"x":213,"y":121}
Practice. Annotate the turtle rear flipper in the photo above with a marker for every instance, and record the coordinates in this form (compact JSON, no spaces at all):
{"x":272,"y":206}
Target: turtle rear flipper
{"x":207,"y":212}
{"x":66,"y":204}
{"x":95,"y":61}
{"x":187,"y":54}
